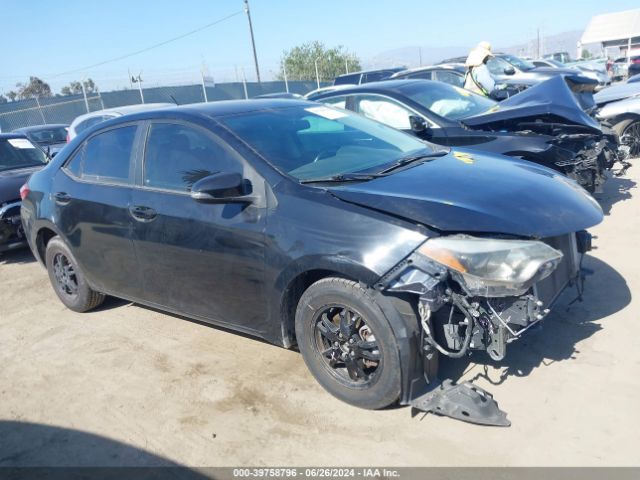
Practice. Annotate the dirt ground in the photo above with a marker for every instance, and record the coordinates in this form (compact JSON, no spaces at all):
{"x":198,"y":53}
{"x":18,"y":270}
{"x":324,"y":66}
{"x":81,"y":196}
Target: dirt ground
{"x":127,"y":385}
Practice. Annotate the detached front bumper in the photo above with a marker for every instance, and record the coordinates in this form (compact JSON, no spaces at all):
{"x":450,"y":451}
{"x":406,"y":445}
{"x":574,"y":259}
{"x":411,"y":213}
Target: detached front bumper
{"x":11,"y":231}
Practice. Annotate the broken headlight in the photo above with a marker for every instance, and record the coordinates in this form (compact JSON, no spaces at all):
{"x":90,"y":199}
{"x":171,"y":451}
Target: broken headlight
{"x":493,"y":267}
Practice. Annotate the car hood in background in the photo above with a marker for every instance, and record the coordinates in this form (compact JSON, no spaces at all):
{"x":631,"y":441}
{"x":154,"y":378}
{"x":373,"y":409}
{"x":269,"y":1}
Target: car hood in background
{"x":467,"y":191}
{"x":617,"y":92}
{"x":557,"y":97}
{"x":11,"y":181}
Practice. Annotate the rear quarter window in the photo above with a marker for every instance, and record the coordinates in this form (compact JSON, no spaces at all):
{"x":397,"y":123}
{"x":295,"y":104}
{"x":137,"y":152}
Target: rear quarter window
{"x":107,"y":155}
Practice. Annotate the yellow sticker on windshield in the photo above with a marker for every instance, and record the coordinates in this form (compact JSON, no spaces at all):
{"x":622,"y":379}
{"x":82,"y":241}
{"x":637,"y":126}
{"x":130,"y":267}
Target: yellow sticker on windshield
{"x":464,"y":157}
{"x":462,"y":91}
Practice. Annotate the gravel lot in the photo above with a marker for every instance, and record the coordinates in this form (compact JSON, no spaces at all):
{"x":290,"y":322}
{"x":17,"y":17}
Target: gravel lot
{"x":127,"y":385}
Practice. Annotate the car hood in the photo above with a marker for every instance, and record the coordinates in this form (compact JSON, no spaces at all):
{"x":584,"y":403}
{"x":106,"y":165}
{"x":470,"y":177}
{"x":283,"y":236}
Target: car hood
{"x":11,"y":181}
{"x":617,"y":92}
{"x":466,"y":191}
{"x":559,"y":97}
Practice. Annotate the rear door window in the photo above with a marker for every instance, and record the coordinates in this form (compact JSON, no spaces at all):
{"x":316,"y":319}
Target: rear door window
{"x":422,"y":75}
{"x":177,"y":156}
{"x":450,"y":78}
{"x":107,"y":155}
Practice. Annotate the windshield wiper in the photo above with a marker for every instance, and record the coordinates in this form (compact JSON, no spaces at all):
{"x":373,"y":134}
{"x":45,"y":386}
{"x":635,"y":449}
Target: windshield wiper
{"x":402,"y":161}
{"x":344,"y":177}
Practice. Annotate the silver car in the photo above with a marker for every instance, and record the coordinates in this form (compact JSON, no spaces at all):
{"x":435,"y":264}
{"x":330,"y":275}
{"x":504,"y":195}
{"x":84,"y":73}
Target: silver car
{"x":87,"y":120}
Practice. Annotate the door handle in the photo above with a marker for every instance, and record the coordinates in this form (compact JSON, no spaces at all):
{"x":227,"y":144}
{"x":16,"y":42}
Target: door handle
{"x":142,"y":213}
{"x":62,"y":198}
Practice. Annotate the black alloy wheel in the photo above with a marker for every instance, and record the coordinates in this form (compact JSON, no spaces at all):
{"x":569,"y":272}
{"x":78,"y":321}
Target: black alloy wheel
{"x":347,"y":344}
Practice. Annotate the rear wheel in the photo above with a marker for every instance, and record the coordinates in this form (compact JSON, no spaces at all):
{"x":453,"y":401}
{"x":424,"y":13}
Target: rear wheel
{"x":67,"y":279}
{"x":348,"y":344}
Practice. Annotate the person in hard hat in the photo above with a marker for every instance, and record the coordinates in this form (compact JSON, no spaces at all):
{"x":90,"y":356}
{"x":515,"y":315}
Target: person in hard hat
{"x":478,"y":79}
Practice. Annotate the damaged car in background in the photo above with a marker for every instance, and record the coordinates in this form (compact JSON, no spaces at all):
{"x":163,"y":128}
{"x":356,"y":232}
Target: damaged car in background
{"x":545,"y":124}
{"x":619,"y":106}
{"x":19,"y":158}
{"x":372,"y":251}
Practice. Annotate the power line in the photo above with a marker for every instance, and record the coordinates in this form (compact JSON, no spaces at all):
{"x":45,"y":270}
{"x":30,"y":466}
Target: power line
{"x":138,"y":52}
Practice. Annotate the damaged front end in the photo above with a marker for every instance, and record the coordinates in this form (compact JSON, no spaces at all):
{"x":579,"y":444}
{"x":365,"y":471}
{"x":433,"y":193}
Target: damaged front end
{"x":476,"y":293}
{"x":591,"y":157}
{"x":560,"y":108}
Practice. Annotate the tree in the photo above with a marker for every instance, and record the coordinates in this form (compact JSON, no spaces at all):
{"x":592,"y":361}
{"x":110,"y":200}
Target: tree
{"x":75,"y":88}
{"x":12,"y":95}
{"x":3,"y":99}
{"x":35,"y":88}
{"x":300,"y":62}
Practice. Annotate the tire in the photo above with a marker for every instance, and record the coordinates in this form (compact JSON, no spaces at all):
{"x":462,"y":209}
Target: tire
{"x":630,"y":126}
{"x":331,"y":299}
{"x":68,"y":280}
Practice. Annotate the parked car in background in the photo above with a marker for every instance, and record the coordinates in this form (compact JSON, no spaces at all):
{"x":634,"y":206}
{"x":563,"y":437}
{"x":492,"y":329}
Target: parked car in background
{"x":513,"y":74}
{"x":590,"y":70}
{"x":453,"y":74}
{"x":619,"y":105}
{"x":562,"y":57}
{"x":51,"y":138}
{"x":83,"y":122}
{"x":366,"y":76}
{"x":19,"y":158}
{"x":304,"y":224}
{"x":620,"y":69}
{"x":546,"y":126}
{"x":634,"y":69}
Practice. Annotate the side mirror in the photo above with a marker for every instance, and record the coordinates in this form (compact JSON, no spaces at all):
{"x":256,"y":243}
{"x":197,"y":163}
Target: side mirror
{"x":419,"y":125}
{"x":509,"y":70}
{"x":222,"y":187}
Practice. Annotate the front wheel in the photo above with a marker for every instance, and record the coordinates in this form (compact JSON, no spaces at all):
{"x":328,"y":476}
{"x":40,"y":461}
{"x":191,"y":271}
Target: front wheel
{"x":67,"y":279}
{"x":629,"y":132}
{"x":348,"y":344}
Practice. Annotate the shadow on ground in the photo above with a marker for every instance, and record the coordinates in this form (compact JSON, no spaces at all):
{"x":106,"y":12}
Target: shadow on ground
{"x":616,"y":189}
{"x":557,"y":336}
{"x":36,"y":445}
{"x":20,"y":256}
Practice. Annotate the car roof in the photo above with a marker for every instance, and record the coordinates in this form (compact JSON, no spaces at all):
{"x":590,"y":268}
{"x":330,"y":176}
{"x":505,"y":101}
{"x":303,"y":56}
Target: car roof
{"x":4,"y":136}
{"x":390,"y":69}
{"x":124,"y":110}
{"x":33,"y":128}
{"x":210,"y":110}
{"x":458,"y":67}
{"x":385,"y":86}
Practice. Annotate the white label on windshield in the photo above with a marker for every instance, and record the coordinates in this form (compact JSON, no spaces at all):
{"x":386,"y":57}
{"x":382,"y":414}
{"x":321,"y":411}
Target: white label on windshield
{"x":20,"y":143}
{"x":326,"y":112}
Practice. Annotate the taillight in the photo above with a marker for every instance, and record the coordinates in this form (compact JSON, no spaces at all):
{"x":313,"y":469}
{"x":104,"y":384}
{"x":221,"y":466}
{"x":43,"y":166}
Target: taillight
{"x":24,"y":191}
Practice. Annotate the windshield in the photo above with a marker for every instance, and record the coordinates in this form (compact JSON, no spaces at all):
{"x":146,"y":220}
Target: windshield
{"x":312,"y":142}
{"x":19,"y":153}
{"x":518,"y":62}
{"x":448,"y":101}
{"x":49,"y":136}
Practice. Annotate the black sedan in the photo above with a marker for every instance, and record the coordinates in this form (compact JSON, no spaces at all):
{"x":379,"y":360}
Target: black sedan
{"x":303,"y":224}
{"x":545,"y":124}
{"x":51,"y":138}
{"x":19,"y":158}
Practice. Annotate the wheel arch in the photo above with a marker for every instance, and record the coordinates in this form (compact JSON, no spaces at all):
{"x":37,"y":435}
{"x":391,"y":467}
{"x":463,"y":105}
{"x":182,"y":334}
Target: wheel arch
{"x":299,"y":276}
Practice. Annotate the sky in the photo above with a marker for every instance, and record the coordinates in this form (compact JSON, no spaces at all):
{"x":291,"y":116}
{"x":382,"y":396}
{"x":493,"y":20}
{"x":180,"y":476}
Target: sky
{"x":48,"y":38}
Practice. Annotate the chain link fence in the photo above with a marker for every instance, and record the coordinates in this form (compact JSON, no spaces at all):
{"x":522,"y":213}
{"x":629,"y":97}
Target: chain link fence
{"x":63,"y":109}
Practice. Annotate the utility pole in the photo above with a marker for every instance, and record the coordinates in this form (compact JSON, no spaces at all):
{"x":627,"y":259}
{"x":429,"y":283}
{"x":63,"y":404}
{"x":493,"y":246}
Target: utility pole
{"x":253,"y":42}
